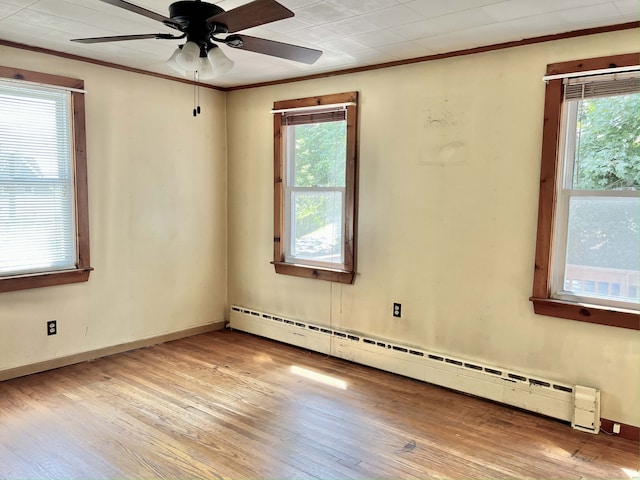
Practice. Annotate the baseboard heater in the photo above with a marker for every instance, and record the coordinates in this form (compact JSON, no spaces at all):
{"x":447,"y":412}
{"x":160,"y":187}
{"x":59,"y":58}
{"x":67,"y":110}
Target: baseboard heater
{"x":577,"y":404}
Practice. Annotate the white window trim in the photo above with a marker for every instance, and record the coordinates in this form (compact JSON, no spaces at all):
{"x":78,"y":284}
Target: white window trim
{"x":290,"y":232}
{"x":564,"y":193}
{"x":29,"y":90}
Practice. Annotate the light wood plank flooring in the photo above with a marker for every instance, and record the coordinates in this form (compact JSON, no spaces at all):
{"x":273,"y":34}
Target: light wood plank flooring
{"x":229,"y":405}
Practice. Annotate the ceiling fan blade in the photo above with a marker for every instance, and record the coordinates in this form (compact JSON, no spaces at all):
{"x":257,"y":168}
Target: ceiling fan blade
{"x":146,"y":13}
{"x":275,"y":49}
{"x":119,"y":38}
{"x":251,"y":14}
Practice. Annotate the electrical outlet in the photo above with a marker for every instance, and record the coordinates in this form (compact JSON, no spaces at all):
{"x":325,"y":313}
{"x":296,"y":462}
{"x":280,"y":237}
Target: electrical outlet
{"x":616,"y":428}
{"x":397,"y":310}
{"x":52,"y":327}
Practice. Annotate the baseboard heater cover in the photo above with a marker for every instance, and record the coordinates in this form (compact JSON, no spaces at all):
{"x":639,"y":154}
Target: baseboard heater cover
{"x":576,"y":404}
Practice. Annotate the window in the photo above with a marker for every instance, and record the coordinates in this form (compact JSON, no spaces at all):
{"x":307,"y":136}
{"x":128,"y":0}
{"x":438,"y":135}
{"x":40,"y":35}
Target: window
{"x":44,"y":237}
{"x":588,"y":244}
{"x":315,"y":187}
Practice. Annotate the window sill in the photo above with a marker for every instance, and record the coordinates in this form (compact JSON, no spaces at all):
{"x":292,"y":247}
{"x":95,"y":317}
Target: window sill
{"x":318,"y":273}
{"x":584,"y":312}
{"x":46,"y":279}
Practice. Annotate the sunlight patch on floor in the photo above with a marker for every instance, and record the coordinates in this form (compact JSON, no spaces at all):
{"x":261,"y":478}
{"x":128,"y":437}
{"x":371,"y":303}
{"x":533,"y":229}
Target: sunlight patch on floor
{"x":319,"y":377}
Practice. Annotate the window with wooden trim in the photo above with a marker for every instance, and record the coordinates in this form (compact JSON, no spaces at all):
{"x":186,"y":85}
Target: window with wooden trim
{"x":588,"y":243}
{"x":315,"y":170}
{"x":44,"y":226}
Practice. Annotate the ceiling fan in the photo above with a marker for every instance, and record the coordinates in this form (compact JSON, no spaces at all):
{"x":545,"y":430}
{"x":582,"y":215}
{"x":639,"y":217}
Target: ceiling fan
{"x":202,"y":24}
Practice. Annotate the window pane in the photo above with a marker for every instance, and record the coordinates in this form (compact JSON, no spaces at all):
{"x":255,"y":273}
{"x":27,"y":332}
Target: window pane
{"x":38,"y":239}
{"x":608,"y":143}
{"x":320,"y":154}
{"x":37,"y":218}
{"x":317,"y":226}
{"x":603,"y":247}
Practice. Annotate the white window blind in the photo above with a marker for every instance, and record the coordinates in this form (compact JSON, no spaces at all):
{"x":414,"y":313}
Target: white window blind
{"x":37,"y":218}
{"x":602,"y":86}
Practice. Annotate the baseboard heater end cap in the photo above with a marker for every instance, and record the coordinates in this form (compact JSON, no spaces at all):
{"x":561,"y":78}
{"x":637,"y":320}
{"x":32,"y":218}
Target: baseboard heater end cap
{"x":586,"y":409}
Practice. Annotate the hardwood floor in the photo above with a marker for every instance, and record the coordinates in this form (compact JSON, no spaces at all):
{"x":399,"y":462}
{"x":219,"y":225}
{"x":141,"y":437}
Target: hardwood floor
{"x":230,"y":405}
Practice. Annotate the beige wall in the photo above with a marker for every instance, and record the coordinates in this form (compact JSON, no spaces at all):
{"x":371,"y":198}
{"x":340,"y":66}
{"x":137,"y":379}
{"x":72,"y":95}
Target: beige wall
{"x":449,"y":168}
{"x":157,"y":201}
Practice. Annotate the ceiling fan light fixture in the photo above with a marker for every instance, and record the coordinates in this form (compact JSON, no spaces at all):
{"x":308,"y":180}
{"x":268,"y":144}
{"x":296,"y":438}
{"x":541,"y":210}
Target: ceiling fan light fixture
{"x":220,"y":63}
{"x":205,"y":70}
{"x":174,"y":64}
{"x":189,"y":57}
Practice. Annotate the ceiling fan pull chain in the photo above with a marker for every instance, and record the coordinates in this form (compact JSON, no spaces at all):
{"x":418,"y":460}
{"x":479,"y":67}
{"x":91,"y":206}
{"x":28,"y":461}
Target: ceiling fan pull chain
{"x":198,"y":90}
{"x":195,"y":88}
{"x":196,"y":93}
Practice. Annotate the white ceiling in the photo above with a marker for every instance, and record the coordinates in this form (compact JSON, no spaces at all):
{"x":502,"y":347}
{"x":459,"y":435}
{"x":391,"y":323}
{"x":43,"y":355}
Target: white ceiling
{"x":351,"y":33}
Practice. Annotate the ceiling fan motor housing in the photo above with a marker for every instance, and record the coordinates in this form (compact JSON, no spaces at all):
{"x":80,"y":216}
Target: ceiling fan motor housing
{"x":193,"y":15}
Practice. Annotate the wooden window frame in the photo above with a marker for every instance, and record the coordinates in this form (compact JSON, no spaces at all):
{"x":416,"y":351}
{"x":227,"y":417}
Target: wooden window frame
{"x":543,"y":303}
{"x":81,"y":272}
{"x":339,"y":275}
